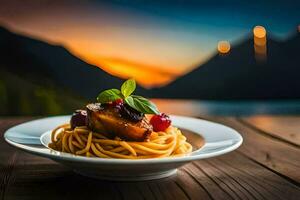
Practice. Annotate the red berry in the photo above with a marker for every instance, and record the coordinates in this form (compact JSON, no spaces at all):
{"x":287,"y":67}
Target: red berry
{"x":78,"y":118}
{"x":117,"y":102}
{"x":160,"y":122}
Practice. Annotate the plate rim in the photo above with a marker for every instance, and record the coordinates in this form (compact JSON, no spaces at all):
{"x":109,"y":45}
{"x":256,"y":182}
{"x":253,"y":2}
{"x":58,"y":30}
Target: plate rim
{"x":46,"y":152}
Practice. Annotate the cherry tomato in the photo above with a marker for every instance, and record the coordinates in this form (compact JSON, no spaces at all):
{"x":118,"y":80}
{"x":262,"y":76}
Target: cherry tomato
{"x":160,"y":122}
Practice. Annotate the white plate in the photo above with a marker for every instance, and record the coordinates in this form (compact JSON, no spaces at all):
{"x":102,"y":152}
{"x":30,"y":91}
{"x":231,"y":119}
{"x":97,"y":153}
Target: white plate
{"x":219,"y":140}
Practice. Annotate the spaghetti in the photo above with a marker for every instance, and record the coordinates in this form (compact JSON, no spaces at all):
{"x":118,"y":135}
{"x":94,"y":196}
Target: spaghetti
{"x":84,"y":142}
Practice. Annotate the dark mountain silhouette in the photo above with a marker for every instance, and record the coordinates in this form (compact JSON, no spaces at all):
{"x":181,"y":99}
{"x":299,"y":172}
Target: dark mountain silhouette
{"x":233,"y":76}
{"x":46,"y":64}
{"x":239,"y":76}
{"x":37,"y":78}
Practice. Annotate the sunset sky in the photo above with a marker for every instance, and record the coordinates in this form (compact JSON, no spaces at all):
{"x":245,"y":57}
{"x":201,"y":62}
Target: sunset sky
{"x":135,"y":39}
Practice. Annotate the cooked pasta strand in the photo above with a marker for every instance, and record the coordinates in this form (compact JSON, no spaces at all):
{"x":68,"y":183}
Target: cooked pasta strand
{"x":88,"y":145}
{"x":82,"y":141}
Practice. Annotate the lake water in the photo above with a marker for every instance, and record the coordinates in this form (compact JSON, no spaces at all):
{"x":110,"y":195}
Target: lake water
{"x":226,"y":108}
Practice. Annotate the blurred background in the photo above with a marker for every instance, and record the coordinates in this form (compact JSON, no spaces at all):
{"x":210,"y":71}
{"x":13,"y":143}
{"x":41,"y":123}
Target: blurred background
{"x":220,"y":57}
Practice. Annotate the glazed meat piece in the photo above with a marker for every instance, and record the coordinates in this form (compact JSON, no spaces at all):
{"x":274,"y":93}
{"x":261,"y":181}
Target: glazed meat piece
{"x":109,"y":121}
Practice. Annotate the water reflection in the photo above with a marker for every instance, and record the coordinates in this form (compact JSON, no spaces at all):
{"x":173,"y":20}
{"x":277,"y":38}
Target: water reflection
{"x":232,"y":108}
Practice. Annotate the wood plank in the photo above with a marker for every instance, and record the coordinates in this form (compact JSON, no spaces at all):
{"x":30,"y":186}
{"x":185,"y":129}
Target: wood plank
{"x":284,"y":127}
{"x":8,"y":155}
{"x":279,"y":156}
{"x":254,"y":181}
{"x":232,"y":176}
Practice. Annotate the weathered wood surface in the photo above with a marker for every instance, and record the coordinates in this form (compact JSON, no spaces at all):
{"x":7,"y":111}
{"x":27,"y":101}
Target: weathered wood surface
{"x":265,"y":167}
{"x":285,"y":128}
{"x":276,"y":154}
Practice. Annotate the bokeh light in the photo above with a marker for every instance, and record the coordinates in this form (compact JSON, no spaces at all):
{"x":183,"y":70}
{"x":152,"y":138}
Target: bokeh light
{"x":260,"y":43}
{"x":223,"y":47}
{"x":260,"y":35}
{"x":259,"y":32}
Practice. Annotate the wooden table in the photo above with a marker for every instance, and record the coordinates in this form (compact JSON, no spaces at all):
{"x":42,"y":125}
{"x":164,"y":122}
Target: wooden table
{"x":266,"y":166}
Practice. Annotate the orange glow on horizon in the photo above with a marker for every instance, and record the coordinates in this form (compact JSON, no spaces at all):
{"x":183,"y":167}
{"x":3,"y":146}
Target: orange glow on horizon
{"x":146,"y":71}
{"x":151,"y":47}
{"x":146,"y":75}
{"x":119,"y":42}
{"x":223,"y":47}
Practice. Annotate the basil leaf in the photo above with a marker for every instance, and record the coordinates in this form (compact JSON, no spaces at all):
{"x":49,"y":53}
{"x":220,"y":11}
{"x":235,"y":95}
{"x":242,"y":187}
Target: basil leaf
{"x":128,"y":87}
{"x":142,"y":104}
{"x":109,"y":95}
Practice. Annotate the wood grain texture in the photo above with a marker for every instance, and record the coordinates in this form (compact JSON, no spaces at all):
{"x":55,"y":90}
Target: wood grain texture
{"x":284,"y":127}
{"x":8,"y":156}
{"x":232,"y":176}
{"x":275,"y":154}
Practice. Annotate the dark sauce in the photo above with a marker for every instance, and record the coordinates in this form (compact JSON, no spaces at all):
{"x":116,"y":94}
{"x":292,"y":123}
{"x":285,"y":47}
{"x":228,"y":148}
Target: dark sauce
{"x":130,"y":113}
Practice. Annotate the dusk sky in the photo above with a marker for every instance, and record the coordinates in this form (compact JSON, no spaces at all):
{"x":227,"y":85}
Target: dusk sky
{"x":141,"y":37}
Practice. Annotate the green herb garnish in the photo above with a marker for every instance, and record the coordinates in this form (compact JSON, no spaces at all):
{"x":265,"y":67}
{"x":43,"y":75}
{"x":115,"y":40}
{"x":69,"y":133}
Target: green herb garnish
{"x":138,"y":103}
{"x":109,"y":95}
{"x":128,"y":87}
